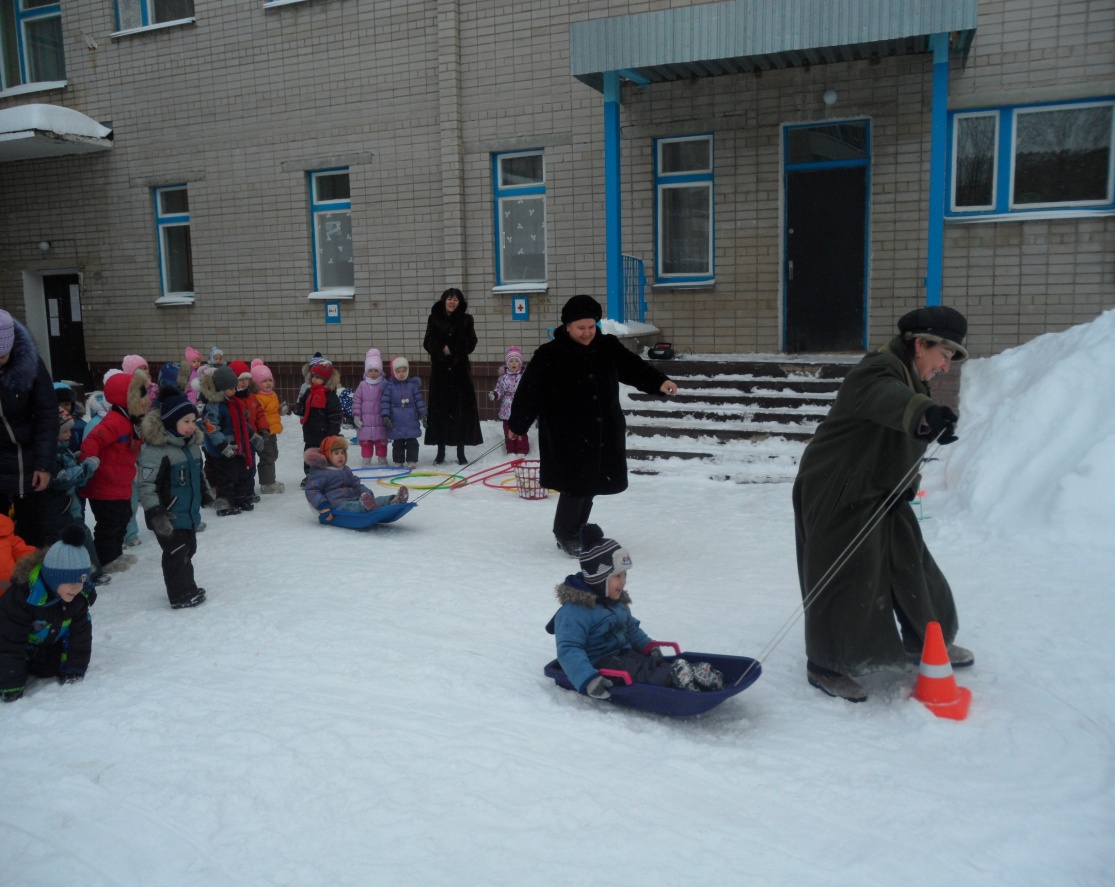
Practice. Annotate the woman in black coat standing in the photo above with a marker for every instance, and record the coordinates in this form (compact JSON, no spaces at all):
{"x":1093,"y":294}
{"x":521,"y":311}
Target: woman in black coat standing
{"x":571,"y":386}
{"x":450,"y":339}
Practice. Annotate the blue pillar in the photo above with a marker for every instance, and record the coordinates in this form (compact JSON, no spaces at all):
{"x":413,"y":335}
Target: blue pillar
{"x":612,"y":218}
{"x":938,"y":156}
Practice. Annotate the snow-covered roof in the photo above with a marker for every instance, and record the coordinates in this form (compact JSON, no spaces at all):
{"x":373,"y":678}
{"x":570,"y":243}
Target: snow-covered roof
{"x":33,"y":131}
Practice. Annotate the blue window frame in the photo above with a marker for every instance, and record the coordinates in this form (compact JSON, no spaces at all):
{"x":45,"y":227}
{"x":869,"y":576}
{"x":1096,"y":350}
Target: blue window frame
{"x":519,"y":189}
{"x":176,"y":258}
{"x":132,"y":14}
{"x":1026,"y":159}
{"x":331,"y":228}
{"x":31,"y":42}
{"x":683,"y":209}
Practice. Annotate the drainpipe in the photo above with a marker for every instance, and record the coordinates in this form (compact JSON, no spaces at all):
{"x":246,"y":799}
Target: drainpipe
{"x":612,"y":218}
{"x":938,"y":155}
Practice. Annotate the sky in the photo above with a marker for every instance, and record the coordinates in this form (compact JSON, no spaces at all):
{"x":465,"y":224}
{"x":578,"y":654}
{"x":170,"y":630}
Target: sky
{"x":361,"y":708}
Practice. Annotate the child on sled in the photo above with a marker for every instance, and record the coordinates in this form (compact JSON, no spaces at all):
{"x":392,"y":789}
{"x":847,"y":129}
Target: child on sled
{"x":594,"y":628}
{"x":331,"y":485}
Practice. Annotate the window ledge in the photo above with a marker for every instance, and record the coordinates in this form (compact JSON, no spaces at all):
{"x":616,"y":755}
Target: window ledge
{"x":175,"y":299}
{"x":515,"y":289}
{"x":29,"y":88}
{"x":1032,"y":215}
{"x":684,"y":284}
{"x":158,"y":26}
{"x":268,"y":4}
{"x":335,"y":292}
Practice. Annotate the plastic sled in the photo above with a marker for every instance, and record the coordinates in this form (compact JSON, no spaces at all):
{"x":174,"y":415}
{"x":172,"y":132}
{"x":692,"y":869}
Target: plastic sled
{"x":363,"y":520}
{"x":740,"y":672}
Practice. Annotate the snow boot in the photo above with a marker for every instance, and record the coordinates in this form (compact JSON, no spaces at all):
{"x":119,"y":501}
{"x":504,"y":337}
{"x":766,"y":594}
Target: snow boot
{"x":117,"y":566}
{"x":382,"y":461}
{"x":959,"y":657}
{"x":368,"y":501}
{"x":681,"y":676}
{"x":706,"y":677}
{"x":837,"y":685}
{"x":571,"y":547}
{"x":366,"y":462}
{"x":198,"y":597}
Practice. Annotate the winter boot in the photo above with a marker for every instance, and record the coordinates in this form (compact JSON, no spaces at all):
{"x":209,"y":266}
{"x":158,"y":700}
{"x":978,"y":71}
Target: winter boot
{"x":117,"y":566}
{"x":225,"y":508}
{"x":401,"y":496}
{"x":198,"y":597}
{"x":837,"y":685}
{"x":132,"y":542}
{"x":366,"y":462}
{"x":440,"y":457}
{"x":100,"y":578}
{"x":571,"y":547}
{"x":681,"y":676}
{"x":368,"y":501}
{"x":412,"y":465}
{"x":707,"y":677}
{"x":381,"y":461}
{"x":462,"y":459}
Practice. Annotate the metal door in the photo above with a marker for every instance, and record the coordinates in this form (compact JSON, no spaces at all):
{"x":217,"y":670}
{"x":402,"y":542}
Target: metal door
{"x":65,"y":331}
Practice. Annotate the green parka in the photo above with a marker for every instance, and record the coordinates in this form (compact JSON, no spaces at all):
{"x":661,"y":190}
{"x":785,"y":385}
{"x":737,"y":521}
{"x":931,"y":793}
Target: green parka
{"x":858,"y":456}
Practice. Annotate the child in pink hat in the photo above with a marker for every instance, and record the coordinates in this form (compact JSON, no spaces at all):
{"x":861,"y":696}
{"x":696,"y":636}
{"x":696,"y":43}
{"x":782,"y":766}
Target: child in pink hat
{"x":366,"y":399}
{"x":188,"y":373}
{"x":272,"y":409}
{"x":506,"y":386}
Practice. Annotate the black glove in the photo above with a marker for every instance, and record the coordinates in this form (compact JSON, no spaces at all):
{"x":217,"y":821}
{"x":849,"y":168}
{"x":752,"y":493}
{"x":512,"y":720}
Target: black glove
{"x":70,"y":678}
{"x":158,"y":521}
{"x":387,"y":423}
{"x":229,"y":450}
{"x":11,"y":695}
{"x":942,"y":424}
{"x":598,"y":687}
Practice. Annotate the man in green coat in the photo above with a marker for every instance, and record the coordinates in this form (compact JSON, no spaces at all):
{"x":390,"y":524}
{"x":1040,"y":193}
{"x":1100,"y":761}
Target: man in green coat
{"x":873,"y":611}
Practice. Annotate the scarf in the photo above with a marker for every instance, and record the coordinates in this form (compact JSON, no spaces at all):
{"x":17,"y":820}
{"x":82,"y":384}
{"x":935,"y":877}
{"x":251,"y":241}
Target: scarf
{"x":315,"y":400}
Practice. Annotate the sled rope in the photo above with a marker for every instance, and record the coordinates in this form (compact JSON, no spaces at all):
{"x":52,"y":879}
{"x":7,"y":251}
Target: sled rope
{"x":841,"y":559}
{"x":456,"y":477}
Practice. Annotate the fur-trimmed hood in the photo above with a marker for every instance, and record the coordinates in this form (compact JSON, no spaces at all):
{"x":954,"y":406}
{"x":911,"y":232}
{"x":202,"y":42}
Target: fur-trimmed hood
{"x":24,"y":566}
{"x":207,"y":388}
{"x":154,"y":432}
{"x":18,"y":374}
{"x":315,"y":459}
{"x":574,"y":591}
{"x":129,"y":393}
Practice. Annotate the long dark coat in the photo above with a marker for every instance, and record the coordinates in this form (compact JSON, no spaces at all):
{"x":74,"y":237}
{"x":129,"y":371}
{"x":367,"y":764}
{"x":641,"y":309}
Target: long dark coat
{"x":858,"y":456}
{"x":573,"y":392}
{"x":28,"y":416}
{"x":453,"y":418}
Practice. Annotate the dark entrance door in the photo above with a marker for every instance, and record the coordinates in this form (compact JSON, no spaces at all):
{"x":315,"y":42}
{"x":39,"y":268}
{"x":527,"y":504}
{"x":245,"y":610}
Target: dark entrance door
{"x":826,"y":238}
{"x":65,"y":331}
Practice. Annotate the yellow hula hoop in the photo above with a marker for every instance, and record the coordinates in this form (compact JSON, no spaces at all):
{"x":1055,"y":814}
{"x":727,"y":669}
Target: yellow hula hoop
{"x":397,"y":481}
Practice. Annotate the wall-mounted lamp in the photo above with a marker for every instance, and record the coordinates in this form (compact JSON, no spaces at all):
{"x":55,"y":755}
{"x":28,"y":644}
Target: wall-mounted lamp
{"x":830,"y":97}
{"x":44,"y":245}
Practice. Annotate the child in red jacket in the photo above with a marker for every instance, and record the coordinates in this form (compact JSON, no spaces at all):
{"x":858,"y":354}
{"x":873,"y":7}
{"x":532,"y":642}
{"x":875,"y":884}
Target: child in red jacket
{"x":115,"y":441}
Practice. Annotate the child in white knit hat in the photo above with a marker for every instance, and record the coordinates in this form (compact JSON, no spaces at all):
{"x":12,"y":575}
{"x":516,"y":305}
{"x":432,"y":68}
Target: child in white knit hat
{"x":366,"y":399}
{"x":506,"y":386}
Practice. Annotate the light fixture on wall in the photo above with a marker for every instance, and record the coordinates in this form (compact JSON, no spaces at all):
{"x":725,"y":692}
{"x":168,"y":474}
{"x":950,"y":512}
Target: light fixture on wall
{"x":830,"y":97}
{"x":44,"y":245}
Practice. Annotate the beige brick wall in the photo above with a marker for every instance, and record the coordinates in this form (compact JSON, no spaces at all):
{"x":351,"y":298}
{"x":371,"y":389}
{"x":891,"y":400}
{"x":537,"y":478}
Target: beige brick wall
{"x":414,"y":97}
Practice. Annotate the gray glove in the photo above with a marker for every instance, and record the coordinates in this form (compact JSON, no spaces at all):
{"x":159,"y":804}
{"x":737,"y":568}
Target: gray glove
{"x":491,"y":395}
{"x":598,"y":687}
{"x":91,"y":465}
{"x":387,"y":423}
{"x":159,"y":521}
{"x":257,"y":443}
{"x":358,"y":422}
{"x":229,"y":450}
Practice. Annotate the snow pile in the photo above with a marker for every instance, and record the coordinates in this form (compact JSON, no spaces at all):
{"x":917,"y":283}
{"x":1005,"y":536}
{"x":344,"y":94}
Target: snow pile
{"x":1037,"y":440}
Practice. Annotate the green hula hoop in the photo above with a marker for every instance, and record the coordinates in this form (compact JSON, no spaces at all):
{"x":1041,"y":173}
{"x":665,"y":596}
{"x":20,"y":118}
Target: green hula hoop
{"x":395,"y":481}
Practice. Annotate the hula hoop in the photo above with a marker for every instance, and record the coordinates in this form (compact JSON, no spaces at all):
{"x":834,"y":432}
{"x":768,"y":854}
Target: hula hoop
{"x":502,"y":485}
{"x":393,"y":481}
{"x":391,"y":471}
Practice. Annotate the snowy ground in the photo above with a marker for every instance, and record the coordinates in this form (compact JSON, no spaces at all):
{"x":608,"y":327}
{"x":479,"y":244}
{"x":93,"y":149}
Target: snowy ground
{"x":369,"y":708}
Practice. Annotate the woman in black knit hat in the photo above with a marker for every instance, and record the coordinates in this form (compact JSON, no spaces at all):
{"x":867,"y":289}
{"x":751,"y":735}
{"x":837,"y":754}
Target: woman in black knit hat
{"x":571,"y":386}
{"x":874,"y":610}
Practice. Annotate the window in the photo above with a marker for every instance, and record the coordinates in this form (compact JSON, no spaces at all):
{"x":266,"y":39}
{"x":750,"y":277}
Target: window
{"x":683,"y":209}
{"x":30,"y":42}
{"x":1055,"y":157}
{"x":176,"y":261}
{"x":132,"y":14}
{"x":331,"y":229}
{"x":520,"y":209}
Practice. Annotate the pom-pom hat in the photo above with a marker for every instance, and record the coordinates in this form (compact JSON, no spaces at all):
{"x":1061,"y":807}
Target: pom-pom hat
{"x":192,"y":354}
{"x":513,"y":353}
{"x":260,"y":373}
{"x":67,"y":560}
{"x":373,"y":360}
{"x":7,"y":332}
{"x":133,"y":362}
{"x":214,"y":351}
{"x":601,"y":557}
{"x":321,"y":368}
{"x":937,"y":323}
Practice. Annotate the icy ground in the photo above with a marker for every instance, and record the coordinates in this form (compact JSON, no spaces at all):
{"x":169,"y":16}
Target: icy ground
{"x":369,"y":708}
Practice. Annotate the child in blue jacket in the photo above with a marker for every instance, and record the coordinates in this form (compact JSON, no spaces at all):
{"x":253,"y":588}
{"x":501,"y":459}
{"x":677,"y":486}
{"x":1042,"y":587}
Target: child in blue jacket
{"x":403,"y":411}
{"x":594,"y":628}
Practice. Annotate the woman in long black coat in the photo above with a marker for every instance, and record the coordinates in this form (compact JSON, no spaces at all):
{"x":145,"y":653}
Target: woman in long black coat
{"x":450,"y":338}
{"x":571,"y":386}
{"x":873,"y":611}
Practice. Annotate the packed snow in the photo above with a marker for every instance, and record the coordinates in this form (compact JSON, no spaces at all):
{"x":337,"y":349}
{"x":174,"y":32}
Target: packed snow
{"x":356,"y":708}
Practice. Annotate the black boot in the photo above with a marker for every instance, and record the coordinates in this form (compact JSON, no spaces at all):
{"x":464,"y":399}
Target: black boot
{"x":461,"y":460}
{"x":439,"y":459}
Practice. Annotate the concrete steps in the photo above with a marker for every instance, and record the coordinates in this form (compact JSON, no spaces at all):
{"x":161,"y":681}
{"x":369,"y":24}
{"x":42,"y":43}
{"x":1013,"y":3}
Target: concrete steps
{"x":749,"y":417}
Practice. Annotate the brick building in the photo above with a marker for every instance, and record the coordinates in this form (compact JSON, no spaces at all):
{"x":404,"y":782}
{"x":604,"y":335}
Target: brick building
{"x":294,"y":176}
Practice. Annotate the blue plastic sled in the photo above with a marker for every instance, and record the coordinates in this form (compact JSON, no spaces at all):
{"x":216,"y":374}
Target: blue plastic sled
{"x":365,"y":520}
{"x":739,"y":674}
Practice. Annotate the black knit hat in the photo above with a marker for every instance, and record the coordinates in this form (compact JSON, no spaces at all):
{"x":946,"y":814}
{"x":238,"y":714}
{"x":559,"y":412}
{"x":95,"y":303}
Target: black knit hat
{"x":580,"y":308}
{"x":175,"y":406}
{"x":936,"y":323}
{"x":601,"y":557}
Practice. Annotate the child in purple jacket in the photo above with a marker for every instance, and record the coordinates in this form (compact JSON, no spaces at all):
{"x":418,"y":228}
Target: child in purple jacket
{"x":331,"y":485}
{"x":506,"y":386}
{"x":404,"y":412}
{"x":366,"y":399}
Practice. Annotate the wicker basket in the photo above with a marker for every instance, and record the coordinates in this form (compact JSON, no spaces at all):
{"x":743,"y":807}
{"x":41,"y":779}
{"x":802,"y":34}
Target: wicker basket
{"x":526,"y":480}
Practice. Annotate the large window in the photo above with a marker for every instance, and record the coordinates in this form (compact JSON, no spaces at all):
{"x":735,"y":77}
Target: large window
{"x":30,"y":42}
{"x":131,"y":14}
{"x":176,"y":259}
{"x":520,"y":209}
{"x":1033,"y":158}
{"x":331,"y":229}
{"x":683,"y":209}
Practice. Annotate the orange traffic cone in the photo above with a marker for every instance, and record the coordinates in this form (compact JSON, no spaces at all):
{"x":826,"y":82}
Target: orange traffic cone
{"x":936,"y":688}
